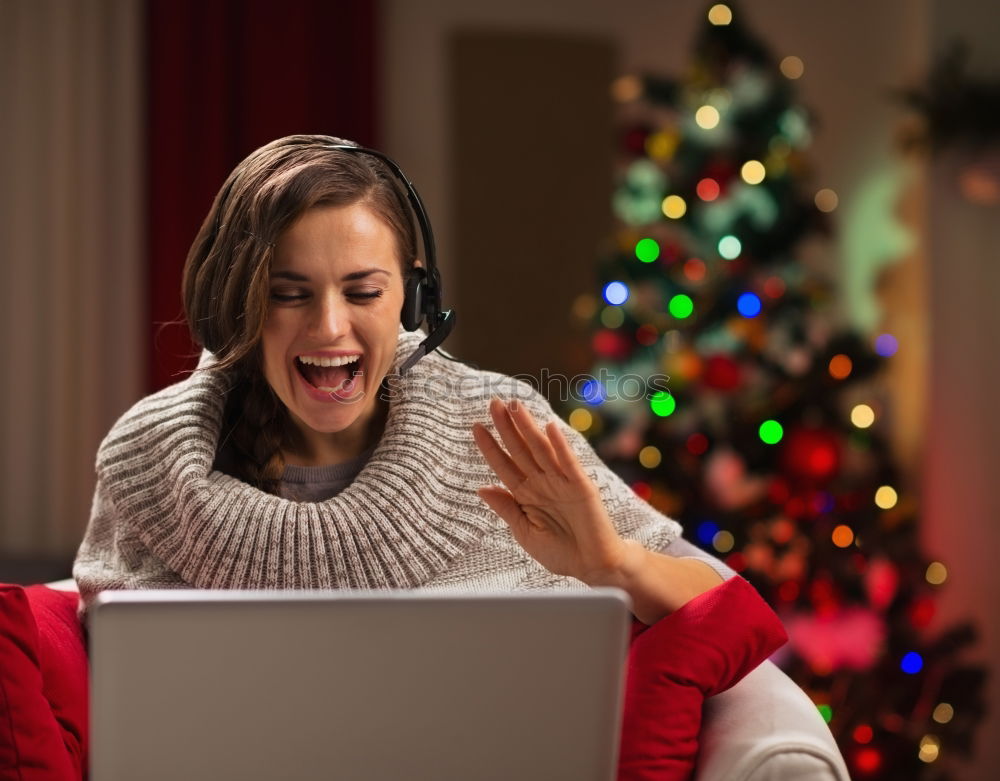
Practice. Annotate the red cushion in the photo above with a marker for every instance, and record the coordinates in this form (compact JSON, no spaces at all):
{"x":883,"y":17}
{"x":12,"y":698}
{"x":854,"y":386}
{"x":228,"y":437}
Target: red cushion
{"x":43,"y":686}
{"x":702,"y":649}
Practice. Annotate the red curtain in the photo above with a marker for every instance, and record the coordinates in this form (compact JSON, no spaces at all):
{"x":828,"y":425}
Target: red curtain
{"x":224,"y":77}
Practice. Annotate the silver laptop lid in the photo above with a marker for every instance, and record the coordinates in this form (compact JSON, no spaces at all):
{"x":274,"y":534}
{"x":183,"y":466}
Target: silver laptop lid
{"x":214,"y":685}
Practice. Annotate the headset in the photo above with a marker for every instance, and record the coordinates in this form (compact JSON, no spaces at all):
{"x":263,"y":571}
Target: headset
{"x":422,"y":296}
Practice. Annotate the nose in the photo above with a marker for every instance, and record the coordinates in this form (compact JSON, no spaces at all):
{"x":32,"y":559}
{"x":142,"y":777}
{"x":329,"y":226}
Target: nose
{"x":329,"y":319}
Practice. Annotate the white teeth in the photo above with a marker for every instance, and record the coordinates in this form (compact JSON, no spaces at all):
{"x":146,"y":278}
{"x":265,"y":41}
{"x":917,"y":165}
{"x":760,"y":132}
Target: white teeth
{"x":317,"y":361}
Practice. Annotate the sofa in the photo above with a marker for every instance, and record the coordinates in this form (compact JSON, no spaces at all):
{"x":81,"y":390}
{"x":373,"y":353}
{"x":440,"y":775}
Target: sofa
{"x":762,"y":727}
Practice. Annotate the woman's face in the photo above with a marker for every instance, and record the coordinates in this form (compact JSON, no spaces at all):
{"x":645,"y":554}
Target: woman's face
{"x":330,"y":336}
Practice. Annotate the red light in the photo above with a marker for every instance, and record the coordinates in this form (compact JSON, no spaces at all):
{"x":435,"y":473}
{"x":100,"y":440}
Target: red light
{"x":788,"y":591}
{"x":643,"y":490}
{"x":868,"y":760}
{"x":696,"y":444}
{"x":863,"y":733}
{"x":694,"y":269}
{"x":708,"y":189}
{"x":737,"y":561}
{"x":774,"y":287}
{"x":646,"y":335}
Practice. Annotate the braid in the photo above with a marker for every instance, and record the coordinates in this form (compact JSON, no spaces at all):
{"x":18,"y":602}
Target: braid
{"x":257,"y":426}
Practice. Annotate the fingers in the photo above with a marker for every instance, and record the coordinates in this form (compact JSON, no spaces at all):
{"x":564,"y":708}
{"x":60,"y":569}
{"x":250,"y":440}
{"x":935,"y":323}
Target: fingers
{"x":512,"y":437}
{"x":504,"y":505}
{"x":564,"y":454}
{"x":497,"y":457}
{"x":537,"y":442}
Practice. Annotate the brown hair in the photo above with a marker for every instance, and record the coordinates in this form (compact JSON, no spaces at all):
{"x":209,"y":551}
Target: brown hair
{"x":227,"y":274}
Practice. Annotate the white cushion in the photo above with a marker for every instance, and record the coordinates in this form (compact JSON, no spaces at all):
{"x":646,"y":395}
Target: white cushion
{"x":766,"y":729}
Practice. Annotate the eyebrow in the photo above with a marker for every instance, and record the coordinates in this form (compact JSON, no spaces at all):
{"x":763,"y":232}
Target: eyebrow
{"x":294,"y":276}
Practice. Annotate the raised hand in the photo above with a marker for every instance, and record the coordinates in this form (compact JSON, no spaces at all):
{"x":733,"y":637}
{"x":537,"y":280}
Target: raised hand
{"x":552,"y":507}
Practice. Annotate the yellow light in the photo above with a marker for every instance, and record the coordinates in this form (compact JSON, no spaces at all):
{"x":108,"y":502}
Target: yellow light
{"x":612,"y":317}
{"x":753,"y":172}
{"x":723,"y":541}
{"x":862,"y":416}
{"x":674,"y":207}
{"x":625,"y":89}
{"x":826,"y":200}
{"x":581,"y":419}
{"x":937,"y":573}
{"x":843,"y":536}
{"x":720,"y":15}
{"x":661,"y":146}
{"x":886,"y":497}
{"x":707,"y":117}
{"x":943,"y":713}
{"x":792,"y":67}
{"x":650,"y":457}
{"x":930,"y":748}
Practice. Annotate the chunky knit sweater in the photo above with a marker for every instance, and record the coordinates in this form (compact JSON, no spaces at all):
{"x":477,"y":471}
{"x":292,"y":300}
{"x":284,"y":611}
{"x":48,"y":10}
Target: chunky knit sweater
{"x":163,"y":518}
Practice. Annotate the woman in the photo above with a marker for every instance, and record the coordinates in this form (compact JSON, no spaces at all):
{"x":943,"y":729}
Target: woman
{"x":298,"y":456}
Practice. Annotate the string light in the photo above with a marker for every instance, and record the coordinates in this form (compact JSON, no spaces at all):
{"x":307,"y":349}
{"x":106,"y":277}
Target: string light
{"x":753,"y":172}
{"x":615,"y":293}
{"x":674,"y":207}
{"x":868,"y":760}
{"x":937,"y":573}
{"x":792,"y":67}
{"x":886,"y":345}
{"x":694,"y":269}
{"x":930,"y":748}
{"x":723,"y":541}
{"x":720,"y":15}
{"x":826,"y":712}
{"x":730,"y":247}
{"x":863,"y":734}
{"x":840,"y":367}
{"x":826,"y":200}
{"x":681,"y":306}
{"x":771,"y":432}
{"x":612,"y":317}
{"x":662,"y":145}
{"x":708,"y":189}
{"x":650,"y":457}
{"x":748,"y":305}
{"x":592,"y":392}
{"x":886,"y":497}
{"x":647,"y":250}
{"x":706,"y":531}
{"x":862,"y":416}
{"x":662,"y":404}
{"x":943,"y":713}
{"x":707,"y":117}
{"x":581,"y":419}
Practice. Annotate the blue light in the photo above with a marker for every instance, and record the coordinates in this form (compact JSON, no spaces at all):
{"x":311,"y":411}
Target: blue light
{"x":593,"y":392}
{"x":912,"y":663}
{"x":886,"y":345}
{"x":707,"y":531}
{"x":615,"y":293}
{"x":748,"y":304}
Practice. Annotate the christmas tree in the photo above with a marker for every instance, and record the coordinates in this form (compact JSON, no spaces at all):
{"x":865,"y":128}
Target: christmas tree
{"x":730,"y":395}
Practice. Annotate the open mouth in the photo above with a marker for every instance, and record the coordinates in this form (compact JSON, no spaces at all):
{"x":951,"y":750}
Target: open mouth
{"x":333,"y":375}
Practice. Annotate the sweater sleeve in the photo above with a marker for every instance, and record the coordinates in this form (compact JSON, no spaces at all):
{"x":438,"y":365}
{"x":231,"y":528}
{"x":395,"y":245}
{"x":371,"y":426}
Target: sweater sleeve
{"x":112,"y":556}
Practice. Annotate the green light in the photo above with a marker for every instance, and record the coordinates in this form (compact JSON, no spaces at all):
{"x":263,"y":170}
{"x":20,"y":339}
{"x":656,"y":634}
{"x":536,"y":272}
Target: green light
{"x":662,"y":404}
{"x":681,"y":306}
{"x":730,"y":247}
{"x":771,"y":432}
{"x":647,"y":250}
{"x":826,"y":712}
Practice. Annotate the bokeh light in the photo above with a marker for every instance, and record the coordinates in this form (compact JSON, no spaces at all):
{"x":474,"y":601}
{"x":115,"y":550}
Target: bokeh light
{"x":707,"y":117}
{"x":626,"y":88}
{"x":696,"y":444}
{"x":650,"y":457}
{"x":674,"y":207}
{"x":647,"y":250}
{"x":615,"y":293}
{"x":706,"y":532}
{"x":826,"y":712}
{"x":612,"y":317}
{"x":936,"y":574}
{"x":730,"y":247}
{"x":863,"y":734}
{"x":592,"y":392}
{"x":862,"y":416}
{"x":708,"y":189}
{"x":694,"y":269}
{"x":868,"y":760}
{"x":723,"y":541}
{"x":840,"y":367}
{"x":647,"y":335}
{"x":771,"y":432}
{"x":748,"y":305}
{"x":886,"y":345}
{"x":943,"y":713}
{"x":886,"y":497}
{"x":662,"y":404}
{"x":681,"y":306}
{"x":826,"y":200}
{"x":930,"y":748}
{"x":753,"y":172}
{"x":842,"y":536}
{"x":911,"y":663}
{"x":792,"y":67}
{"x":581,"y":419}
{"x":720,"y":14}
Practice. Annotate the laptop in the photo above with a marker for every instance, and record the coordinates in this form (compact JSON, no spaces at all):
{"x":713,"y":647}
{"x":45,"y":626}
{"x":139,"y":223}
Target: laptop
{"x":356,"y":686}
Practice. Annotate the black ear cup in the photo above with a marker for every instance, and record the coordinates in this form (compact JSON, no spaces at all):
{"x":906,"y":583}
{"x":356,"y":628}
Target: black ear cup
{"x":413,"y":300}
